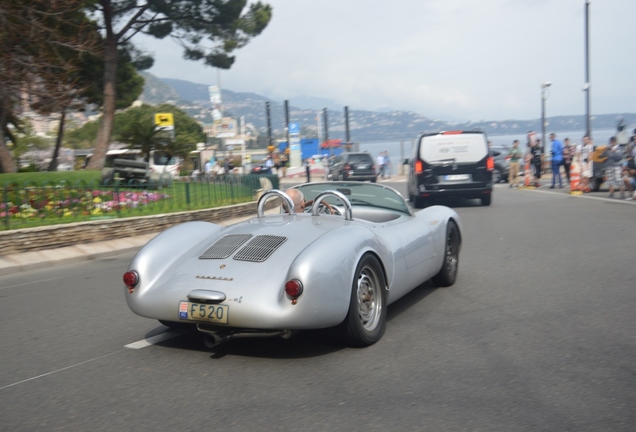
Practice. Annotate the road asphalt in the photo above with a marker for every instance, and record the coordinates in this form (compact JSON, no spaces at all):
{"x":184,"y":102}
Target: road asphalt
{"x":26,"y":261}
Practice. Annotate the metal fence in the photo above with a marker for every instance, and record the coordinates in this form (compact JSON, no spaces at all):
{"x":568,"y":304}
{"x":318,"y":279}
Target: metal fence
{"x":32,"y":204}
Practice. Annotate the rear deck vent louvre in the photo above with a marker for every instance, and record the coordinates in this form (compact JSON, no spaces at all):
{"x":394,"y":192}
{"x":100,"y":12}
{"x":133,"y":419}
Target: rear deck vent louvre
{"x":260,"y":248}
{"x":225,"y":246}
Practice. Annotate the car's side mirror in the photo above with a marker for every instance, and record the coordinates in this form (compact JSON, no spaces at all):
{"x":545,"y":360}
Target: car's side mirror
{"x":406,"y":161}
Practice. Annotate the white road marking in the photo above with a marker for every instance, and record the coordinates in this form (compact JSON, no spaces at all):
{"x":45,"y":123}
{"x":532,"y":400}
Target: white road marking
{"x":59,"y":370}
{"x":154,"y":339}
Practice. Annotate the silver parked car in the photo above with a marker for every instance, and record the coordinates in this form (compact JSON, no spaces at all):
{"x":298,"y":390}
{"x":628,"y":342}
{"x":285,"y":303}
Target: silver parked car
{"x":357,"y":248}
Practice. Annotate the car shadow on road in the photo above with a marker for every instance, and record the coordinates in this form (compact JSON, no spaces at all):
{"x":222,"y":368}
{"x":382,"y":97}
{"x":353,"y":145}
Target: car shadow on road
{"x":304,"y":344}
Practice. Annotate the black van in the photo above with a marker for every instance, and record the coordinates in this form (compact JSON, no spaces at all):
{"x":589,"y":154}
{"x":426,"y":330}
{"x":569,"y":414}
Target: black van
{"x":455,"y":164}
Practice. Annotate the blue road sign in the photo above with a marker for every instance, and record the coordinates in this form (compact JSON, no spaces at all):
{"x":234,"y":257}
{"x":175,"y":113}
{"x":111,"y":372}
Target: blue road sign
{"x":294,"y":128}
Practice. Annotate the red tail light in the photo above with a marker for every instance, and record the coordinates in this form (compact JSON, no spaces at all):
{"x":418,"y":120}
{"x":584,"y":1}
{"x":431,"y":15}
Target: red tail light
{"x":453,"y":132}
{"x":490,"y":163}
{"x":419,"y":167}
{"x":131,"y":279}
{"x":294,"y":288}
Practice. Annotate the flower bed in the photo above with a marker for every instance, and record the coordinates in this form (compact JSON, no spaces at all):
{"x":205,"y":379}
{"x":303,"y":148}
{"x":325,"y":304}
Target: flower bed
{"x":58,"y":201}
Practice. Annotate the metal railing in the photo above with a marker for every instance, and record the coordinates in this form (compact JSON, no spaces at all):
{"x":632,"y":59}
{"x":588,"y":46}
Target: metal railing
{"x":31,"y":204}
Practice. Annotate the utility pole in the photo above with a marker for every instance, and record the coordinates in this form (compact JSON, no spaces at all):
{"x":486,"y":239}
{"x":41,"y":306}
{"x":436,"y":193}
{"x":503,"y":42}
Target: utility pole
{"x":544,"y":97}
{"x":586,"y":86}
{"x":287,"y":122}
{"x":347,"y":135}
{"x":325,"y":124}
{"x":269,"y":126}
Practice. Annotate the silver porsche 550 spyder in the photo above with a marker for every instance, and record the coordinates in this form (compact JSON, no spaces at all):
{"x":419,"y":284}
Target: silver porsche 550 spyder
{"x":352,"y":251}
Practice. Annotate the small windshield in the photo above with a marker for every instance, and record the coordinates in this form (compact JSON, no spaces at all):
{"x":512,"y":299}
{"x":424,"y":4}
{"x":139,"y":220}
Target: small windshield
{"x":161,"y":158}
{"x":359,"y":194}
{"x":453,"y":148}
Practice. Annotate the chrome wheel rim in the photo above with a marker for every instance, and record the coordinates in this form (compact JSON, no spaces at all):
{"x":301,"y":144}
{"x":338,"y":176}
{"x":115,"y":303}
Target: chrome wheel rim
{"x":369,"y":296}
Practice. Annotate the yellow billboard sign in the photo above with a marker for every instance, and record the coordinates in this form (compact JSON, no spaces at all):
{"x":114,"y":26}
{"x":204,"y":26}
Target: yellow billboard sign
{"x":164,"y":120}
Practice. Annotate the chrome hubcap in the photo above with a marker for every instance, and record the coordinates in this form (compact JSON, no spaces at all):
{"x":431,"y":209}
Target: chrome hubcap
{"x":369,"y":298}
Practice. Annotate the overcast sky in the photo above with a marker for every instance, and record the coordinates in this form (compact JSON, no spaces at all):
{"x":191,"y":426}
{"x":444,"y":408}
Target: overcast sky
{"x":447,"y":59}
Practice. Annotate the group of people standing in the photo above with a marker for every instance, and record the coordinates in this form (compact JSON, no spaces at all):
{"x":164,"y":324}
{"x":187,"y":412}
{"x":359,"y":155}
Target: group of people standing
{"x":618,"y":174}
{"x":215,"y":167}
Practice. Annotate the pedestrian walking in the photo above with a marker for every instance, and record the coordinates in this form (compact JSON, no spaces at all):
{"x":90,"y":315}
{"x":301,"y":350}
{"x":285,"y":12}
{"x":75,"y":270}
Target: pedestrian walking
{"x":308,"y":169}
{"x":380,"y":162}
{"x":207,"y":170}
{"x":557,"y":160}
{"x":387,"y":164}
{"x":569,"y":150}
{"x":613,"y":168}
{"x":515,"y":156}
{"x":535,"y":156}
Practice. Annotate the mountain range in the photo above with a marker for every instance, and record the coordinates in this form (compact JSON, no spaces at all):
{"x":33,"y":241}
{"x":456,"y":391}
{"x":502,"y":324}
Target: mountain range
{"x":363,"y":125}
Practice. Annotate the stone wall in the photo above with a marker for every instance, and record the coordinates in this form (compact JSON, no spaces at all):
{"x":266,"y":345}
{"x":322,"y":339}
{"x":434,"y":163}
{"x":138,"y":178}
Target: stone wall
{"x":50,"y":237}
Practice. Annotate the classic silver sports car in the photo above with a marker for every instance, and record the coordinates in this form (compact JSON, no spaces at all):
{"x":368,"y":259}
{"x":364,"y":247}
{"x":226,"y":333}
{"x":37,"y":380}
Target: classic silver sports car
{"x":355,"y":249}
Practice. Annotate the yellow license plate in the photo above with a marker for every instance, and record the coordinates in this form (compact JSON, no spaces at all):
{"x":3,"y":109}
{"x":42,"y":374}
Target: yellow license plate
{"x":216,"y":313}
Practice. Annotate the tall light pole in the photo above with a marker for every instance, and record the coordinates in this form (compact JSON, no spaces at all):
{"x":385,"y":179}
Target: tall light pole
{"x":586,"y":86}
{"x":544,"y":97}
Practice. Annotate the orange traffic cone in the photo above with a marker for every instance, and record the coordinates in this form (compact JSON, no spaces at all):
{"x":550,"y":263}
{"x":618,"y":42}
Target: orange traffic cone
{"x":527,"y":174}
{"x":575,"y":180}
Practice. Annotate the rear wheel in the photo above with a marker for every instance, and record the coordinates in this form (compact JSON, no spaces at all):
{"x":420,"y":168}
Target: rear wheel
{"x":486,"y":200}
{"x":366,"y":321}
{"x":448,"y":272}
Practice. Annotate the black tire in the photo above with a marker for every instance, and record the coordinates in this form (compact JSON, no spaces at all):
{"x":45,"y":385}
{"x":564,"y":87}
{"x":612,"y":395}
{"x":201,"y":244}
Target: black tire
{"x":366,"y":320}
{"x":595,"y":184}
{"x":486,"y":200}
{"x":448,"y":273}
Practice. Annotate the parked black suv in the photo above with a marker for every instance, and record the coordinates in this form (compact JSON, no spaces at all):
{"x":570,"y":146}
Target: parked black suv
{"x":353,"y":166}
{"x":455,"y":164}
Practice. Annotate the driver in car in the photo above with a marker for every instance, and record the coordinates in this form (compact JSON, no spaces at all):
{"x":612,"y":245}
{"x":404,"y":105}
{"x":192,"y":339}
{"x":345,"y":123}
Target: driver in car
{"x":297,"y":198}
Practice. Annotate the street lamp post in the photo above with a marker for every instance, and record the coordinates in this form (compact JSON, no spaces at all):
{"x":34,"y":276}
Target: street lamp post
{"x":544,"y":97}
{"x":586,"y":86}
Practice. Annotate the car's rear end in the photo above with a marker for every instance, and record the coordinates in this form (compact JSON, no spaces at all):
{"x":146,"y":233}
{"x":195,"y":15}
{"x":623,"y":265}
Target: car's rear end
{"x":359,"y":166}
{"x":455,"y":164}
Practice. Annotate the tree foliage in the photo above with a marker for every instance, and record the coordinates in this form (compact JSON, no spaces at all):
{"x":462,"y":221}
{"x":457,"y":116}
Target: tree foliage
{"x":208,"y":30}
{"x":136,"y":128}
{"x":41,"y":45}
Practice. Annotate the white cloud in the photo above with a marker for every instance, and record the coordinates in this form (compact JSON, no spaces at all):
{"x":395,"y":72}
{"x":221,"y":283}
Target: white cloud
{"x":441,"y":58}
